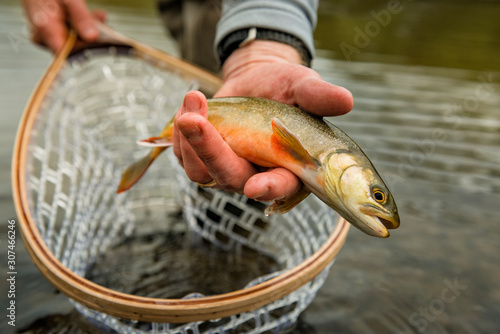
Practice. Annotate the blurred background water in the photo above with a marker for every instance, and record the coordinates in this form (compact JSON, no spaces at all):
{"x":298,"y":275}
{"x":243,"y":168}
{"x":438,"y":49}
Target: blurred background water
{"x":426,"y":82}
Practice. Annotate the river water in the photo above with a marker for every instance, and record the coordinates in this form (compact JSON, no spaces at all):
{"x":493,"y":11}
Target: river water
{"x":426,"y":82}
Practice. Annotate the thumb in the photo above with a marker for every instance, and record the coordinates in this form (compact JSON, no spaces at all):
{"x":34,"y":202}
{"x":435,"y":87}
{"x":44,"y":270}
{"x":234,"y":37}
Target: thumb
{"x":322,"y":98}
{"x":100,"y":15}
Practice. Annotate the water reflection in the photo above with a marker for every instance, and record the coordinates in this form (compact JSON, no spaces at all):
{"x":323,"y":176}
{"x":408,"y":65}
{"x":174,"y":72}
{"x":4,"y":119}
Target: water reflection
{"x":427,"y":91}
{"x":433,"y":133}
{"x":421,"y":123}
{"x":458,"y":34}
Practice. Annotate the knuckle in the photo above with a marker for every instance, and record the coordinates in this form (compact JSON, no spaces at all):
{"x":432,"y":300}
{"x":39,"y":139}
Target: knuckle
{"x":230,"y":182}
{"x":39,"y":20}
{"x":210,"y":158}
{"x":197,"y":174}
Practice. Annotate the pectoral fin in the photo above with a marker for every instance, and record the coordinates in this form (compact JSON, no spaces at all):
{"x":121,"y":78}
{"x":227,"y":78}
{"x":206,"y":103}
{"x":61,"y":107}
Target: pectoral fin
{"x":156,"y":142}
{"x":287,"y":204}
{"x":289,"y":143}
{"x":165,"y":139}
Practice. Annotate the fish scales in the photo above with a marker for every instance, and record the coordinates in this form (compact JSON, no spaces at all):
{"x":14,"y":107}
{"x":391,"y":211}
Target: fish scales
{"x":255,"y":114}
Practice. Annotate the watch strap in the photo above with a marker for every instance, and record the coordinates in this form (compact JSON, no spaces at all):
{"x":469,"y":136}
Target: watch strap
{"x":242,"y":37}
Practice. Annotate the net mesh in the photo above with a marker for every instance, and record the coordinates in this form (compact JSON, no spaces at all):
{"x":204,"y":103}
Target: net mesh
{"x":165,"y":238}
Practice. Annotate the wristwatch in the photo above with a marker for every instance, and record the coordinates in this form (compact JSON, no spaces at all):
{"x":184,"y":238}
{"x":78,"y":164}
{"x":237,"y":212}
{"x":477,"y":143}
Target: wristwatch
{"x":240,"y":38}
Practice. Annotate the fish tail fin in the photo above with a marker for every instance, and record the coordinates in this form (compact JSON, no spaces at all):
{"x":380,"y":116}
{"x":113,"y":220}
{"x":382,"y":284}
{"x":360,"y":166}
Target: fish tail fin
{"x":136,"y":170}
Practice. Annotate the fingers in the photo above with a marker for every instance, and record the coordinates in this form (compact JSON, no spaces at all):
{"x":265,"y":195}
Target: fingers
{"x":99,"y":15}
{"x":271,"y":185}
{"x":207,"y":155}
{"x":49,"y":20}
{"x":194,"y":105}
{"x":53,"y":36}
{"x":81,"y":19}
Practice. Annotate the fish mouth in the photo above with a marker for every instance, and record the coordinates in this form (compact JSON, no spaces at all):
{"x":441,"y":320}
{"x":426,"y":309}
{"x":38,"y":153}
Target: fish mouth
{"x":391,"y":223}
{"x":371,"y":225}
{"x":378,"y":223}
{"x":377,"y":228}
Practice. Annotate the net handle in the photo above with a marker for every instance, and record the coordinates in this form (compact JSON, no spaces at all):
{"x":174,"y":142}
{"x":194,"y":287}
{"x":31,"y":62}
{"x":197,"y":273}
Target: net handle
{"x":129,"y":306}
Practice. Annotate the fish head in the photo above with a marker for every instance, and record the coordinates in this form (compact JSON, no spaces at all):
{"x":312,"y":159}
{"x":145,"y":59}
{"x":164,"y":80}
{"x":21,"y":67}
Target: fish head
{"x":360,"y":195}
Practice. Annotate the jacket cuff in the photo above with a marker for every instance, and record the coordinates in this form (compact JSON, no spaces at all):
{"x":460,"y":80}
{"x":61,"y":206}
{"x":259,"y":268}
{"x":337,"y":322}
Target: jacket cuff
{"x":296,"y":19}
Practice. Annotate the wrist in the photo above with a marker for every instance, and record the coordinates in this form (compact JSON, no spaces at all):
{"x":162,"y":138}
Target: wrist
{"x":259,"y":52}
{"x":243,"y":37}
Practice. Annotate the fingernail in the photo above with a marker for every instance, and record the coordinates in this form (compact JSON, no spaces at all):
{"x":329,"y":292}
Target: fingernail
{"x":192,"y":103}
{"x":261,"y":195}
{"x":190,"y":131}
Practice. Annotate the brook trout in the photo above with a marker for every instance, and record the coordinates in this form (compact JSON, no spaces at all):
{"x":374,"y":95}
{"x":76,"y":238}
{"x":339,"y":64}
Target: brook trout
{"x":272,"y":134}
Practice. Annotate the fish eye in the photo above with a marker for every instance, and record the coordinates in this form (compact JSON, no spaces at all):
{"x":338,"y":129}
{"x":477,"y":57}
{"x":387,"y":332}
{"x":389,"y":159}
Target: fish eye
{"x":379,"y":196}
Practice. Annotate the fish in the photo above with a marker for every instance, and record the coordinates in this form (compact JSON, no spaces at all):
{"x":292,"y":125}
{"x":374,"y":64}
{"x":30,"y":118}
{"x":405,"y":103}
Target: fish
{"x":273,"y":134}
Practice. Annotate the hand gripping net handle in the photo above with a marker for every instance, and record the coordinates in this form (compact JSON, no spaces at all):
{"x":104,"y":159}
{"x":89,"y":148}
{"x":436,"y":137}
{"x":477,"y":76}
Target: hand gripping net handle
{"x":129,"y":306}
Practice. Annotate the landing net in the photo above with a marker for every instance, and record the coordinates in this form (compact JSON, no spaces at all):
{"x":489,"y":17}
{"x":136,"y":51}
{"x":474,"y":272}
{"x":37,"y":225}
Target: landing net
{"x":166,"y":238}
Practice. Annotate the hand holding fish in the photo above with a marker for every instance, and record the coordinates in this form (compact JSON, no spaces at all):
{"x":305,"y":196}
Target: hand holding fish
{"x":224,"y":139}
{"x":201,"y":150}
{"x":262,"y":69}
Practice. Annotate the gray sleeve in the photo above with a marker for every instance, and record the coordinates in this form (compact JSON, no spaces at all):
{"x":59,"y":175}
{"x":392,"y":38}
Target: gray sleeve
{"x":295,"y":17}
